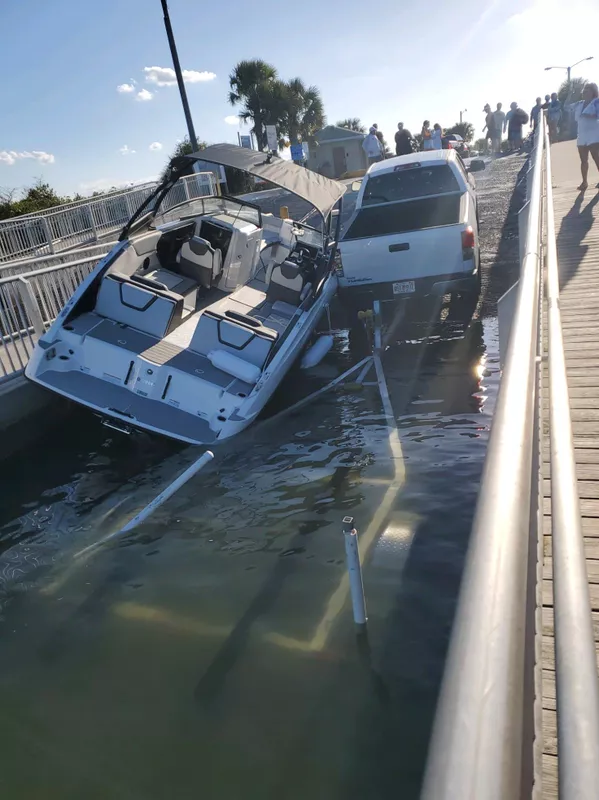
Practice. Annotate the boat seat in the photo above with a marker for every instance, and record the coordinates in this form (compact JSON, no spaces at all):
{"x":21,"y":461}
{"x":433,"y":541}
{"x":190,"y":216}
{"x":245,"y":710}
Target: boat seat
{"x":178,"y":284}
{"x":286,"y":284}
{"x":253,"y":303}
{"x":226,"y":327}
{"x":252,"y":298}
{"x":201,"y":262}
{"x":141,"y":303}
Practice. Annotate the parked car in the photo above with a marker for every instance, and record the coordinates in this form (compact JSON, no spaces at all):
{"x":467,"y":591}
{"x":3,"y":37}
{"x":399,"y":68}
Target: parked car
{"x":456,"y":142}
{"x":414,"y":231}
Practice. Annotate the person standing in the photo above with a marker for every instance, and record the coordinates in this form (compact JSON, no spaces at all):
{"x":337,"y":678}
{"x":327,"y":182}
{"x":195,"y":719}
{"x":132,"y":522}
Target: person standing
{"x":437,"y":137}
{"x":514,"y":120}
{"x":372,"y":147}
{"x":489,"y":127}
{"x":427,"y":136}
{"x":586,"y":114}
{"x":554,"y":115}
{"x":403,"y":141}
{"x":534,"y":114}
{"x":499,"y":117}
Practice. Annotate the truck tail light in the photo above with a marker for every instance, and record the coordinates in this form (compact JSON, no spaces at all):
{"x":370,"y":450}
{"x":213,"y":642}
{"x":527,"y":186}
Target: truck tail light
{"x":467,"y":244}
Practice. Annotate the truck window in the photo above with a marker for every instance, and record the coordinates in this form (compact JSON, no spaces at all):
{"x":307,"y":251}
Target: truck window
{"x":414,"y":215}
{"x":405,"y":184}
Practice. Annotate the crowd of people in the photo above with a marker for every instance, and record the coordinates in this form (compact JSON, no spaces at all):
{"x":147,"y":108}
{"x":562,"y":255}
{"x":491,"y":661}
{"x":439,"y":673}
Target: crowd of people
{"x":585,"y":113}
{"x":497,"y":122}
{"x":374,"y":146}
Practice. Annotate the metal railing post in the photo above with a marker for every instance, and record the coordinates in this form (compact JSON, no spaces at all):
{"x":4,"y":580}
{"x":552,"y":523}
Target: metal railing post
{"x":48,"y":234}
{"x":31,"y":306}
{"x":92,"y":222}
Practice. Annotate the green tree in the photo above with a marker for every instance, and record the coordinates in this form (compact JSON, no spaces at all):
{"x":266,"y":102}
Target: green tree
{"x":352,"y":124}
{"x":571,"y":92}
{"x":305,"y":111}
{"x":38,"y":197}
{"x":463,"y":129}
{"x":182,"y":148}
{"x":480,"y":145}
{"x":251,"y":87}
{"x":238,"y":181}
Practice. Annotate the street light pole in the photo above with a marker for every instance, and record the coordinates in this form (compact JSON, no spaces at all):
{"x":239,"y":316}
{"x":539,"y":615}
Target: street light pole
{"x":462,"y":112}
{"x":571,"y":67}
{"x":180,"y":82}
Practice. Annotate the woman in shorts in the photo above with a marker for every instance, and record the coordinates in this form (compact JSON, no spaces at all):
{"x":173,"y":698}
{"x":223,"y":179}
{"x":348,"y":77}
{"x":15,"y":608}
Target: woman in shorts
{"x":586,"y":114}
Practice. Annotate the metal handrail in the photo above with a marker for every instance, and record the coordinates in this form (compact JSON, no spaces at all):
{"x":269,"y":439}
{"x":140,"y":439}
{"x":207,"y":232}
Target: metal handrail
{"x":476,"y":749}
{"x":62,"y":227}
{"x":25,"y":265}
{"x":577,"y":687}
{"x":28,"y":305}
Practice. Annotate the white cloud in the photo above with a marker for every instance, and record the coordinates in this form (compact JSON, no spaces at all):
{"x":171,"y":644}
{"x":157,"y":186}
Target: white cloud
{"x":193,"y":76}
{"x":155,"y":146}
{"x":143,"y":95}
{"x":232,"y":119}
{"x":125,"y":88}
{"x":125,"y":150}
{"x":165,"y":76}
{"x":10,"y":157}
{"x":102,"y":184}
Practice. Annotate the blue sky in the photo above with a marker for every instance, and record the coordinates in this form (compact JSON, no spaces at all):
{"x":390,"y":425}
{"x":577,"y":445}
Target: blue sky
{"x":64,"y":119}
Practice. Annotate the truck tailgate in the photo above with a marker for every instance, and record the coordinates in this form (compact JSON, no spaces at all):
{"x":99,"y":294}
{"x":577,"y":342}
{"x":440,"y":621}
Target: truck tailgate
{"x":403,"y":241}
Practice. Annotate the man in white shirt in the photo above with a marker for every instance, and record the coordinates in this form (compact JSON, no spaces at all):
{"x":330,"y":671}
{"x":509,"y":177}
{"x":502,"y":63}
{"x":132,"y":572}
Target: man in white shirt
{"x":586,"y":114}
{"x":499,"y":120}
{"x":372,"y":147}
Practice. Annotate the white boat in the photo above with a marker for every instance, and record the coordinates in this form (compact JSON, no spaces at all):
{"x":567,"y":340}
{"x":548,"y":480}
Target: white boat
{"x":190,"y":323}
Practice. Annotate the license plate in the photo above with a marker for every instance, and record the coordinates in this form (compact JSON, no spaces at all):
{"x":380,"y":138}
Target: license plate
{"x":404,"y":287}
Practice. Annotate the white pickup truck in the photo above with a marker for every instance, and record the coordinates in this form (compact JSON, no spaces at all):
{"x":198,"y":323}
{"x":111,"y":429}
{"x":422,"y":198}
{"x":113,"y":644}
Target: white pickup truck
{"x":414,"y":231}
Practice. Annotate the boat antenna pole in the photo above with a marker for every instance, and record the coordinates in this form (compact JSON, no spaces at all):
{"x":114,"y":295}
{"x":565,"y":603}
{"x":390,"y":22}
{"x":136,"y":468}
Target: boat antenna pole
{"x":177,"y":66}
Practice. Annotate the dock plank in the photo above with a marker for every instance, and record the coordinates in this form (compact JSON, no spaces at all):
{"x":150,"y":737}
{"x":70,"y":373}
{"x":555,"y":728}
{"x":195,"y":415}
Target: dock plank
{"x":591,"y":547}
{"x":549,"y":655}
{"x":548,"y":596}
{"x":587,"y":489}
{"x":550,"y":777}
{"x":592,"y":569}
{"x":588,"y":508}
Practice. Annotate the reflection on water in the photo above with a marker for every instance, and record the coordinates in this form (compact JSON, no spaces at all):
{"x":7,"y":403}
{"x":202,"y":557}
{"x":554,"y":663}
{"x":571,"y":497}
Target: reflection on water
{"x":212,"y":653}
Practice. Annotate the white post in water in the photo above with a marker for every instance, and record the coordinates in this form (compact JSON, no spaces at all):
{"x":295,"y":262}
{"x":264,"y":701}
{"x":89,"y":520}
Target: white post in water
{"x":168,"y":492}
{"x":154,"y":504}
{"x":355,"y":571}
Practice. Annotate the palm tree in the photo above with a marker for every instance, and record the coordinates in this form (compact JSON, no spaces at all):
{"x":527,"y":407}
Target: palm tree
{"x":251,"y":84}
{"x":303,"y":113}
{"x":352,"y":124}
{"x":571,"y":91}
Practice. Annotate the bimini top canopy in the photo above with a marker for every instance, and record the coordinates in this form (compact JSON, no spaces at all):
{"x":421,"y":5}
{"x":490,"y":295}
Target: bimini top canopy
{"x":317,"y":190}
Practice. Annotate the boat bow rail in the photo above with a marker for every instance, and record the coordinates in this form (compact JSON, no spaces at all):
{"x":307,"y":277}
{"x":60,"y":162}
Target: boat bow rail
{"x":487,"y":740}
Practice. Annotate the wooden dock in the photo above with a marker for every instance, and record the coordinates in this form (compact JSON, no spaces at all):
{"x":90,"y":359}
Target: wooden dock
{"x":577,"y":230}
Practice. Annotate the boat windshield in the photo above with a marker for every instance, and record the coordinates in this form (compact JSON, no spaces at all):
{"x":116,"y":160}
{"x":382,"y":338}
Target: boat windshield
{"x":186,"y":199}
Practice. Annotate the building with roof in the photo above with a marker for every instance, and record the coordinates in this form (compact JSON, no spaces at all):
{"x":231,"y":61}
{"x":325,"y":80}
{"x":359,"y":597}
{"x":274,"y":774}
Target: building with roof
{"x":337,"y":151}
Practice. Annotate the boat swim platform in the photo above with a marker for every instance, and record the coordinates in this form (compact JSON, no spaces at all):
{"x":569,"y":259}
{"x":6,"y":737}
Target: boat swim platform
{"x":577,"y":231}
